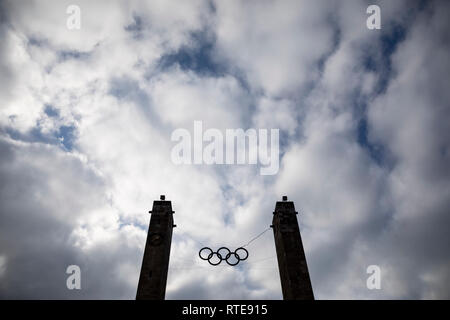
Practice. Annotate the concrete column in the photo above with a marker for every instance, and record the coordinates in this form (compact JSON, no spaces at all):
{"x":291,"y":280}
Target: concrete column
{"x":295,"y":280}
{"x":155,"y":263}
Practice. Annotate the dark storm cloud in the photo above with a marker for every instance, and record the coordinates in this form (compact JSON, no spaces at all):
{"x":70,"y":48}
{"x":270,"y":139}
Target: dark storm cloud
{"x":85,"y":123}
{"x":36,"y":222}
{"x":39,"y":210}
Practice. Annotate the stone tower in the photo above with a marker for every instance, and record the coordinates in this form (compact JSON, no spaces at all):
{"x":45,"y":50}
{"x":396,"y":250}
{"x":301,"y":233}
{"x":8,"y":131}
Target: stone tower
{"x":295,"y":281}
{"x":155,"y":264}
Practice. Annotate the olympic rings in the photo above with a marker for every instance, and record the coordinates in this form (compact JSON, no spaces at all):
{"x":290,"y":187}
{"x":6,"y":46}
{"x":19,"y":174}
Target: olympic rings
{"x":223,"y":256}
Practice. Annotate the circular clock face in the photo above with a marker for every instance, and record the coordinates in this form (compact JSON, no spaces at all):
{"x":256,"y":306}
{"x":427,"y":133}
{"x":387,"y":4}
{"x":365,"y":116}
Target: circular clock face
{"x":156,"y":239}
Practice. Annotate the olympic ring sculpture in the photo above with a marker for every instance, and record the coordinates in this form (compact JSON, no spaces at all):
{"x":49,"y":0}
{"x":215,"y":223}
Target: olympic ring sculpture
{"x":223,"y":256}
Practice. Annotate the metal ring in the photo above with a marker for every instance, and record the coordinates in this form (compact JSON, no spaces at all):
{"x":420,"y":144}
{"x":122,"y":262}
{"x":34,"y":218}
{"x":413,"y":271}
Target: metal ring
{"x":205,"y":248}
{"x":235,"y":255}
{"x":222,"y":256}
{"x":246,"y":253}
{"x":218,"y":256}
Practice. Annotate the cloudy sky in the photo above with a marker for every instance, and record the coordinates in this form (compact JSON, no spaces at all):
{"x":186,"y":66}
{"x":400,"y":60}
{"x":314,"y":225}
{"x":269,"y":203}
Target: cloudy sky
{"x":86,"y":117}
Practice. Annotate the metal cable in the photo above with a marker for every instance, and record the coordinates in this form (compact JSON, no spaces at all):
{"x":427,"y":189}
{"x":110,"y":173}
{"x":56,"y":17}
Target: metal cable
{"x":259,"y":235}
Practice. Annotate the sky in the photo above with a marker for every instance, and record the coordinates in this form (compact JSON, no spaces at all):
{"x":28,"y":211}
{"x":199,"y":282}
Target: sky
{"x":86,"y":118}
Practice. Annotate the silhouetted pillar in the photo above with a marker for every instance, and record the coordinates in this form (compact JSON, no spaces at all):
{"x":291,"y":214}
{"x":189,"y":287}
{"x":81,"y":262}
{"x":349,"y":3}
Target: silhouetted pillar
{"x":155,"y":263}
{"x":295,"y":281}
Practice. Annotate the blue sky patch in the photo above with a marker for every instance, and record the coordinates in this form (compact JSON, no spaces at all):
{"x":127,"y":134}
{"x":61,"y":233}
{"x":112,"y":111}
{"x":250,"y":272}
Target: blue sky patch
{"x":198,"y":57}
{"x":51,"y":111}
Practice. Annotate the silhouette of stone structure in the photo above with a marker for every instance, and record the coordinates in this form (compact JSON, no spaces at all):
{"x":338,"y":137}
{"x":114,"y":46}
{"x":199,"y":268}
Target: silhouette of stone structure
{"x":155,"y":264}
{"x":295,"y":280}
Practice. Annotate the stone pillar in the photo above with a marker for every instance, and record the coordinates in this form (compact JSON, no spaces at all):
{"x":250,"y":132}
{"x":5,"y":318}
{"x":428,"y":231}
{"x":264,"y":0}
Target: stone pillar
{"x":155,"y":263}
{"x":295,"y":280}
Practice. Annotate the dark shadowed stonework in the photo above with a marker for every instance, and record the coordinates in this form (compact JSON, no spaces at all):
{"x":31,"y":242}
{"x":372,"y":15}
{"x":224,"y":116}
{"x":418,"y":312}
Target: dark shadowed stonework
{"x":155,"y":264}
{"x":295,"y":281}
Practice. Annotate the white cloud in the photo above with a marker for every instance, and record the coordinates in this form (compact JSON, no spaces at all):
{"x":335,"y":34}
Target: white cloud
{"x":375,"y":197}
{"x":276,"y":44}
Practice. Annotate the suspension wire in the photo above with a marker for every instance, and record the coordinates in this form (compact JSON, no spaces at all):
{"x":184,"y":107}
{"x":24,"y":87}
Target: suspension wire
{"x":179,"y":263}
{"x":259,"y":235}
{"x":222,"y":268}
{"x":260,"y":260}
{"x":182,"y":264}
{"x":243,"y":246}
{"x":246,"y":267}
